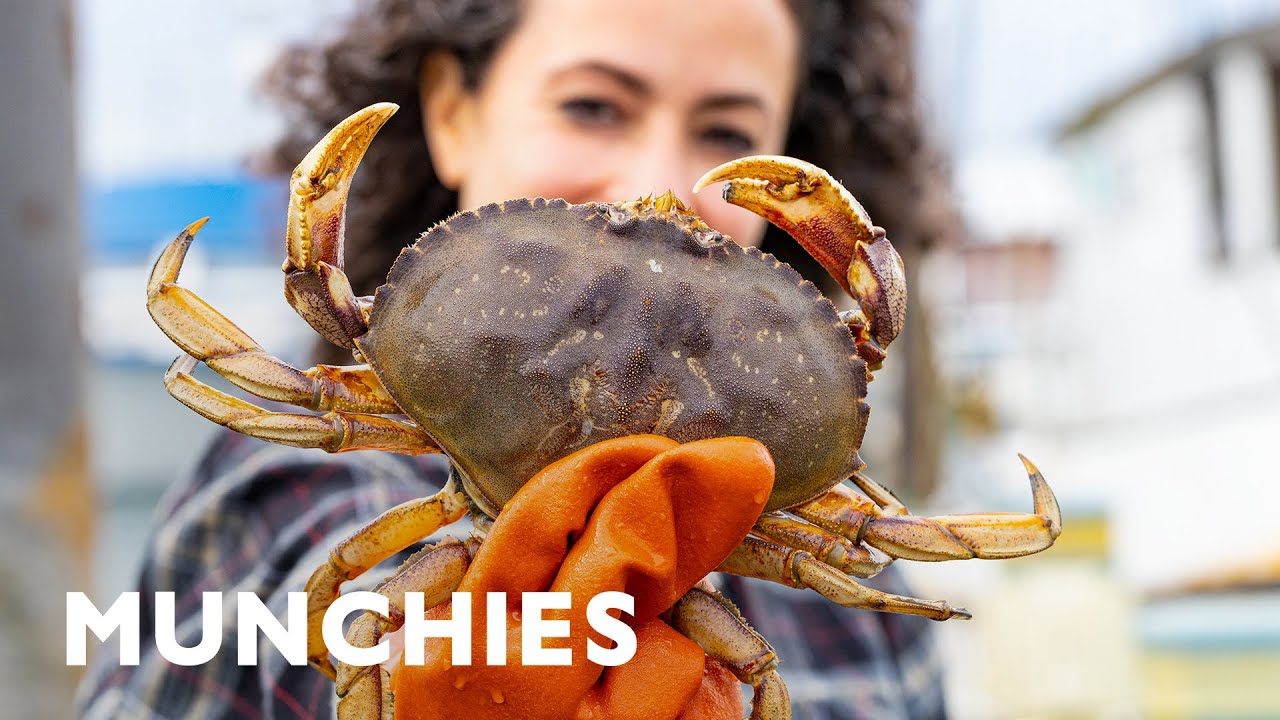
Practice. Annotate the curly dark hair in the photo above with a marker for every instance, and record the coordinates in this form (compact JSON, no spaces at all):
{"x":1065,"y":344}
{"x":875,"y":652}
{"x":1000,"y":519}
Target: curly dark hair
{"x":855,"y":114}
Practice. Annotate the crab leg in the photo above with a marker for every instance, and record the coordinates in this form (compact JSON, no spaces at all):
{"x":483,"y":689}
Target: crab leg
{"x":207,"y":335}
{"x":945,"y":537}
{"x":796,"y":568}
{"x":333,"y":431}
{"x":822,"y":216}
{"x":380,"y":538}
{"x":709,"y":619}
{"x":364,"y":693}
{"x":847,"y":556}
{"x":315,"y":284}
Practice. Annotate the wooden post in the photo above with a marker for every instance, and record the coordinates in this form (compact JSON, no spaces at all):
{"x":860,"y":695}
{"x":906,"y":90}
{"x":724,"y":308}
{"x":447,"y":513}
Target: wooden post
{"x":46,"y":500}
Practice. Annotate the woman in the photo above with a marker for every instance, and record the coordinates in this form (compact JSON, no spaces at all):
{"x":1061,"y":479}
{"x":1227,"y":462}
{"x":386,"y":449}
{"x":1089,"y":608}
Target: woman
{"x":577,"y":99}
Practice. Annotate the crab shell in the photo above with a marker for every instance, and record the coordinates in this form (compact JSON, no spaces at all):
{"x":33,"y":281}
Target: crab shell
{"x":521,"y":332}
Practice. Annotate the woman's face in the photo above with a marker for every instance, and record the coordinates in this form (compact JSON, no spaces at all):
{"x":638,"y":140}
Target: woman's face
{"x":608,"y":101}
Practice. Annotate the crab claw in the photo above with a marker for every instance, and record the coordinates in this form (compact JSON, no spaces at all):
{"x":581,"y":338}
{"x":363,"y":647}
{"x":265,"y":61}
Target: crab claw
{"x":806,"y":202}
{"x":960,"y":537}
{"x":315,"y":285}
{"x":319,"y":185}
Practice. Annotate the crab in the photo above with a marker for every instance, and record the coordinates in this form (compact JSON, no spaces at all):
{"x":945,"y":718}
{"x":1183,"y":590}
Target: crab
{"x":510,"y":336}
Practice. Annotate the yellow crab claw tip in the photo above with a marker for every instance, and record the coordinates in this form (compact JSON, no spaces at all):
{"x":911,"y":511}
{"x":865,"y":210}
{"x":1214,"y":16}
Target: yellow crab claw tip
{"x":707,"y":179}
{"x":169,"y":264}
{"x":362,"y":124}
{"x":775,"y":169}
{"x":193,"y":227}
{"x":375,"y":114}
{"x":373,"y":117}
{"x":338,"y":154}
{"x":1045,"y":503}
{"x":368,"y":118}
{"x":961,"y":614}
{"x":1030,"y":466}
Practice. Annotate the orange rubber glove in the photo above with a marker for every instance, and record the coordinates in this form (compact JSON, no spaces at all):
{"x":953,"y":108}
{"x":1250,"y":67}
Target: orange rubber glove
{"x":642,"y":515}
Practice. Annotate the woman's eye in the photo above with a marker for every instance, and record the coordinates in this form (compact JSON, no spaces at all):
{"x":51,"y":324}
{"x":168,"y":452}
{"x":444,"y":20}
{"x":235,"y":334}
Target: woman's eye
{"x":592,"y":111}
{"x":729,"y":139}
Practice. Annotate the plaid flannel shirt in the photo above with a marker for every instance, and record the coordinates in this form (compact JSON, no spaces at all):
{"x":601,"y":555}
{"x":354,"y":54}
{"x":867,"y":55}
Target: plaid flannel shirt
{"x":257,"y":517}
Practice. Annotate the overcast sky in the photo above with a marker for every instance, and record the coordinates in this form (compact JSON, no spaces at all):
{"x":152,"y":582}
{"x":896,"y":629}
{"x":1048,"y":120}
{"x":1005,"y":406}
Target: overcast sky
{"x":1008,"y":72}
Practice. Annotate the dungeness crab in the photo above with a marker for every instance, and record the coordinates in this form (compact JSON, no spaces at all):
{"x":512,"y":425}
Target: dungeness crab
{"x":510,"y":336}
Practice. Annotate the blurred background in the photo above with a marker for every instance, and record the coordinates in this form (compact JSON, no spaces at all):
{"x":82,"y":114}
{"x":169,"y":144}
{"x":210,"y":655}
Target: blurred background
{"x":1112,"y":311}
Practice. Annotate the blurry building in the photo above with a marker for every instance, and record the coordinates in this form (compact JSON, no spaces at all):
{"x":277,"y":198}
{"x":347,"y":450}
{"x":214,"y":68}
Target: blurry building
{"x":1115,"y":315}
{"x":1053,"y":635}
{"x":1180,"y":176}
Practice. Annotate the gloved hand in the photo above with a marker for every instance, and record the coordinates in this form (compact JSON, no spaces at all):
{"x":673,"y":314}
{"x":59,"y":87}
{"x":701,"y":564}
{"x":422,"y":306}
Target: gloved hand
{"x":642,"y":515}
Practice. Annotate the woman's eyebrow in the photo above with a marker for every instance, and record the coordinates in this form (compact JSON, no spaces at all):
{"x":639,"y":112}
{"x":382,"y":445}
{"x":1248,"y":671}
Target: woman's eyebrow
{"x":632,"y":82}
{"x":732,"y":101}
{"x":639,"y":86}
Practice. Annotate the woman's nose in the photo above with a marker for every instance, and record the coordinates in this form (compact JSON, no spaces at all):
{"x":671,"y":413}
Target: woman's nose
{"x":657,"y":163}
{"x":652,"y":172}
